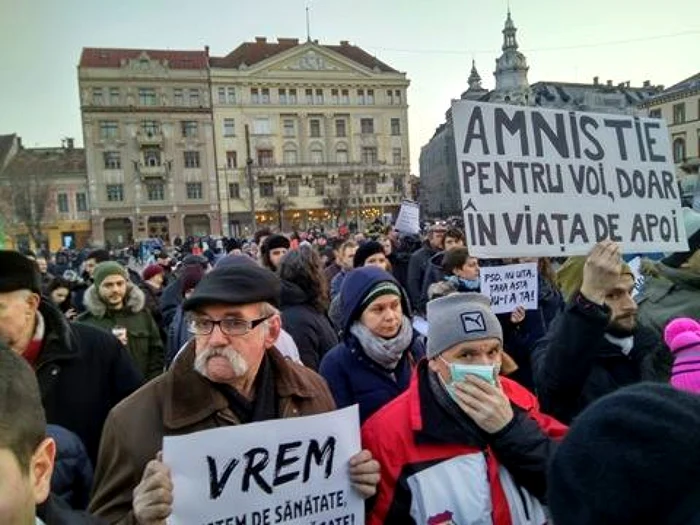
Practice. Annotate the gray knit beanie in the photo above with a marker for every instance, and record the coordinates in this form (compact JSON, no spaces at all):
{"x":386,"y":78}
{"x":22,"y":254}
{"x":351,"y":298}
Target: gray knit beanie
{"x":460,"y":317}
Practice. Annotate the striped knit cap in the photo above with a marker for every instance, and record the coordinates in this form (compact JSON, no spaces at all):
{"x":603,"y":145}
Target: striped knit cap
{"x":383,"y":288}
{"x":682,"y":336}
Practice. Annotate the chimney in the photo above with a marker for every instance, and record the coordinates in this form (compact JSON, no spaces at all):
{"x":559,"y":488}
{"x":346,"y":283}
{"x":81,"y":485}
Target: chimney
{"x":206,"y":50}
{"x":609,"y":83}
{"x":344,"y":43}
{"x":647,"y":83}
{"x":596,"y":81}
{"x":288,"y":41}
{"x":261,"y":40}
{"x":316,"y":42}
{"x":68,"y":143}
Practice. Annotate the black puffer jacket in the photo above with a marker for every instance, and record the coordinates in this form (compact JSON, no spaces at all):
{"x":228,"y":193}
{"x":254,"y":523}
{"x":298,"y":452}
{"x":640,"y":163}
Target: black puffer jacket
{"x":83,"y":372}
{"x":311,"y":330}
{"x":574,"y":364}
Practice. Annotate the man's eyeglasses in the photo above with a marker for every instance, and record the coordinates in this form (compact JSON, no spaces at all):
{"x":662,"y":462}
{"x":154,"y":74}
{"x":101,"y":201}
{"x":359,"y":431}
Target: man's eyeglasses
{"x":228,"y":325}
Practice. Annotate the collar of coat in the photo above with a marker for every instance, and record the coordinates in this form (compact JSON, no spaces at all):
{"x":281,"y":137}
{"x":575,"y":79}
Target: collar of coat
{"x":57,"y":335}
{"x":190,"y":398}
{"x":134,"y":301}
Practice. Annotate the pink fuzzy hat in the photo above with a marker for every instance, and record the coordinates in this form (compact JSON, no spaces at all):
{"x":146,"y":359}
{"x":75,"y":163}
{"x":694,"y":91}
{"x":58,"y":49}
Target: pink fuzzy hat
{"x":682,"y":336}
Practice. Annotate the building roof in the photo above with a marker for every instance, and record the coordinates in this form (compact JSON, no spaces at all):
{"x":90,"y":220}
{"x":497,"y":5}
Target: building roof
{"x":47,"y":161}
{"x":250,"y":53}
{"x":112,"y":58}
{"x":6,"y":142}
{"x":689,"y":85}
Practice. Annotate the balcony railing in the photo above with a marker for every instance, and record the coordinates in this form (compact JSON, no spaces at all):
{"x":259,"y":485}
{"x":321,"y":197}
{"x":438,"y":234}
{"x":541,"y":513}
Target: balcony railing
{"x":152,"y":172}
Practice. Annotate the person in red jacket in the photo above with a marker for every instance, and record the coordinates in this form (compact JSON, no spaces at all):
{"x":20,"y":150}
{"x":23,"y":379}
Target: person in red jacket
{"x":462,"y":441}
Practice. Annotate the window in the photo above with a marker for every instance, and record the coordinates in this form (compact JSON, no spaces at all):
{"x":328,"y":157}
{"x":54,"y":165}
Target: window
{"x":194,"y":97}
{"x":367,"y":126}
{"x":151,"y":157}
{"x":288,"y":126}
{"x":398,"y":184}
{"x":155,"y":191}
{"x":361,"y":97}
{"x":314,"y":128}
{"x":290,"y":155}
{"x":319,"y":97}
{"x":345,"y":97}
{"x":679,"y":113}
{"x":316,"y":154}
{"x":265,"y":157}
{"x":147,"y":97}
{"x":150,"y":127}
{"x":293,"y":188}
{"x":194,"y":190}
{"x":231,"y":95}
{"x":109,"y":129}
{"x":334,"y":97}
{"x":254,"y":96}
{"x":340,"y":128}
{"x":191,"y":159}
{"x":62,"y":203}
{"x":113,"y":160}
{"x":97,"y":99}
{"x":370,"y":185}
{"x":222,"y":95}
{"x":266,"y":189}
{"x":678,"y":149}
{"x":261,"y":126}
{"x":115,"y":192}
{"x":282,"y":94}
{"x":397,"y":96}
{"x":292,"y":96}
{"x":265,"y":96}
{"x":178,"y":97}
{"x":309,"y":96}
{"x":341,"y":155}
{"x":370,"y":97}
{"x":114,"y":96}
{"x":81,"y":201}
{"x":229,"y":127}
{"x":396,"y":126}
{"x":396,"y":155}
{"x":655,"y":113}
{"x":231,"y":159}
{"x":319,"y":187}
{"x":345,"y":186}
{"x":189,"y":128}
{"x":234,"y":190}
{"x":390,"y":96}
{"x":369,"y":155}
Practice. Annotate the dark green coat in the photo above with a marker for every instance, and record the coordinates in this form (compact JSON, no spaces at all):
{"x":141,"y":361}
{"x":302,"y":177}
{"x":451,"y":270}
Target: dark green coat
{"x":144,"y":341}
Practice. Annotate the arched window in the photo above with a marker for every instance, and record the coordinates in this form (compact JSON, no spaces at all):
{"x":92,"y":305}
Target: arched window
{"x":341,"y":154}
{"x":290,"y":155}
{"x":316,"y":154}
{"x":678,"y":150}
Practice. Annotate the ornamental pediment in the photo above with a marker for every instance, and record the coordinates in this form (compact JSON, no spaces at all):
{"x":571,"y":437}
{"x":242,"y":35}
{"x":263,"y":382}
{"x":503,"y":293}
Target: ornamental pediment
{"x":145,"y":65}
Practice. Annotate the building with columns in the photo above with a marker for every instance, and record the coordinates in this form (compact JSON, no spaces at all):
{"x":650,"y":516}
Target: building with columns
{"x":327,"y":134}
{"x":440,"y":192}
{"x":149,"y":144}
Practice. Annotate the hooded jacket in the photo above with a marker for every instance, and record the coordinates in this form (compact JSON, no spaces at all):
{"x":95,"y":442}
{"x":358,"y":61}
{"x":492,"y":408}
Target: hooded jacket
{"x":311,"y":330}
{"x":143,"y":337}
{"x":351,"y":375}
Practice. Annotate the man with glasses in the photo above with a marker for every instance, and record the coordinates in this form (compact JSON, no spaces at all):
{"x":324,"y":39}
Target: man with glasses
{"x":229,"y":374}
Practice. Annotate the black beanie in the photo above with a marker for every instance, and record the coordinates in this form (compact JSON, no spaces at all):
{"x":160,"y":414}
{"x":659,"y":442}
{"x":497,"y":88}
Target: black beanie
{"x":18,"y":272}
{"x":631,"y":457}
{"x":365,"y":251}
{"x":273,"y":242}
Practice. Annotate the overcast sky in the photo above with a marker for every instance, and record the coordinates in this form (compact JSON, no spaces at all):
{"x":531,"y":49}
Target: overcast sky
{"x":433,"y":41}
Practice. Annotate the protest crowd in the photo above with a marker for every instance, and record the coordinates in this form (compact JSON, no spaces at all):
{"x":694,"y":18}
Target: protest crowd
{"x":581,"y":409}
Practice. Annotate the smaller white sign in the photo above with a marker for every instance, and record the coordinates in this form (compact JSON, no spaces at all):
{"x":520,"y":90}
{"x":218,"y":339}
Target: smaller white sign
{"x":635,"y":265}
{"x":510,"y":286}
{"x":408,"y":220}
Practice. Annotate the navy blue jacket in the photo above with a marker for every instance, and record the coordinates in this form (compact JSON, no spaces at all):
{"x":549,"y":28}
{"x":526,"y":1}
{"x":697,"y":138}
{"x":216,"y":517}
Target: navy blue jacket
{"x":72,"y":474}
{"x":351,"y":375}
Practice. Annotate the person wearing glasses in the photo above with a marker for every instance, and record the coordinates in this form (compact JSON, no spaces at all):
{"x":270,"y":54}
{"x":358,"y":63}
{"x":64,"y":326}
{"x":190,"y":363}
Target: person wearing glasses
{"x":230,"y":373}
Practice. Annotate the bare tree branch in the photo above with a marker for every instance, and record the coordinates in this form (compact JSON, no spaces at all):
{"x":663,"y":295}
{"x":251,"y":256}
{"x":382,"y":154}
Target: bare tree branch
{"x":278,"y":204}
{"x":29,"y":196}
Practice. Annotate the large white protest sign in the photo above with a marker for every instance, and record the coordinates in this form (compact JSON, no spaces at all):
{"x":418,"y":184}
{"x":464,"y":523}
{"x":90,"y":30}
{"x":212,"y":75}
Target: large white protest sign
{"x":408,"y":220}
{"x":291,"y":471}
{"x":541,"y":182}
{"x":636,"y":267}
{"x":510,"y":286}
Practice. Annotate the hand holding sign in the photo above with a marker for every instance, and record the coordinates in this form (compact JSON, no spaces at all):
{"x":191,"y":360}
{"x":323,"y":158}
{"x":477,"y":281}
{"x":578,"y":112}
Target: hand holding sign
{"x":601,"y":271}
{"x":364,"y":473}
{"x":153,"y":497}
{"x":518,"y":315}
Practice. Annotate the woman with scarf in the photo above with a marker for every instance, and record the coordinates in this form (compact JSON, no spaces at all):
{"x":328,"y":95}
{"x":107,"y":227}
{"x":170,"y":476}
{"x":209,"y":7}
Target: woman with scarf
{"x":374,"y":361}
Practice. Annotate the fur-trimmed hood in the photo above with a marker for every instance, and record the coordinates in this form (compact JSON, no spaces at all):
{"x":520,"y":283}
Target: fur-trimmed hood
{"x":135,"y":300}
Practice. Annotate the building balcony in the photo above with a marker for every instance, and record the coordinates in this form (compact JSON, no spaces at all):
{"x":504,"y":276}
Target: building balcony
{"x":154,"y":173}
{"x":149,"y":138}
{"x":372,"y":166}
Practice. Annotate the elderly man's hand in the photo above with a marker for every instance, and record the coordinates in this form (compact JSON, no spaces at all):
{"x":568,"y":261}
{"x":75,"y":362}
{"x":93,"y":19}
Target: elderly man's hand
{"x":486,"y":404}
{"x":601,"y":272}
{"x":153,"y":497}
{"x":364,"y":473}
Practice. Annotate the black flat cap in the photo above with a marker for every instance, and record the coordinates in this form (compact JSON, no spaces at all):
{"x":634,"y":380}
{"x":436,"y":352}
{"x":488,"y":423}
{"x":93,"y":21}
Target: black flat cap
{"x":236,"y":284}
{"x":18,"y":272}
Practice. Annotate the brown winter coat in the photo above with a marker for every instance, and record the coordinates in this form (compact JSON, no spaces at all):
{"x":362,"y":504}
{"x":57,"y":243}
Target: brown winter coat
{"x":178,"y":402}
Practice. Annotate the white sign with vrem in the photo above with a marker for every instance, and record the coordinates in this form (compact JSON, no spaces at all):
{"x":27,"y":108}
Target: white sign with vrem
{"x":408,"y":220}
{"x":291,"y":471}
{"x":544,"y":182}
{"x":510,"y":286}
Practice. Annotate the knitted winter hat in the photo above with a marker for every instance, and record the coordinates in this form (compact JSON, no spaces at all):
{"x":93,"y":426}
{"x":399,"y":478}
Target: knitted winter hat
{"x":150,"y":271}
{"x":385,"y":288}
{"x":105,"y":269}
{"x":365,"y":251}
{"x":682,"y":336}
{"x":570,"y":275}
{"x":631,"y":457}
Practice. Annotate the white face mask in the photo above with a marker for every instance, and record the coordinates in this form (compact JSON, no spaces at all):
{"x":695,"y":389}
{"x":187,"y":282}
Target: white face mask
{"x":459,"y":371}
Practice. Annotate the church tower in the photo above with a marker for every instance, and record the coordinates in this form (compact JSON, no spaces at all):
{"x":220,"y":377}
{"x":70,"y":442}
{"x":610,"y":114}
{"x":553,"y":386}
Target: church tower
{"x":512,"y":86}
